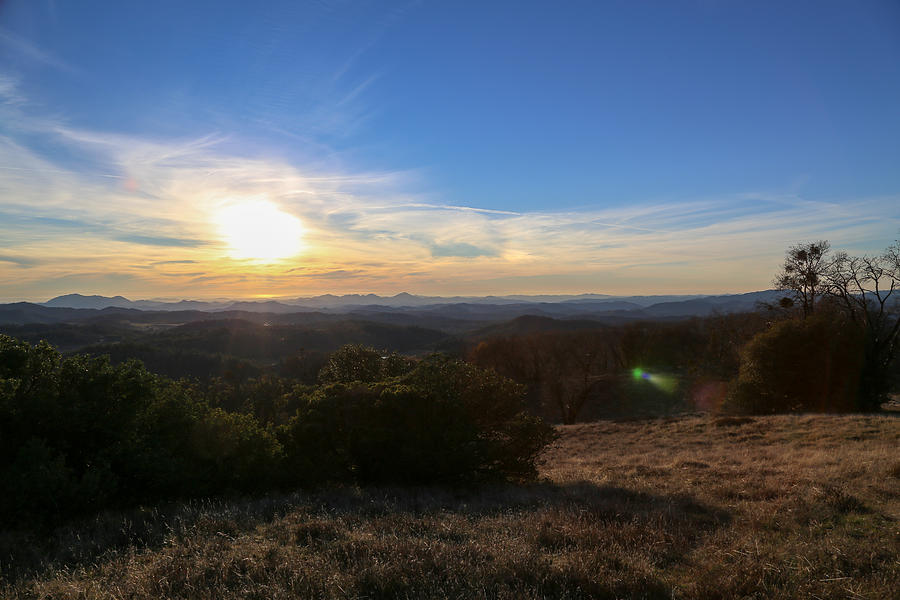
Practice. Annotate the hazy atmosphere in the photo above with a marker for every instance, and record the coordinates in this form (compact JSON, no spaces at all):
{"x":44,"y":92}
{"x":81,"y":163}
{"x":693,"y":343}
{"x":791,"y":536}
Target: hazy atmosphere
{"x":194,"y":150}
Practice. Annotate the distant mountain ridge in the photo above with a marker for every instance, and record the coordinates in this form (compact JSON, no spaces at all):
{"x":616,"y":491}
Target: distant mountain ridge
{"x":447,"y":314}
{"x":101,"y":302}
{"x":352,"y":301}
{"x":79,"y":301}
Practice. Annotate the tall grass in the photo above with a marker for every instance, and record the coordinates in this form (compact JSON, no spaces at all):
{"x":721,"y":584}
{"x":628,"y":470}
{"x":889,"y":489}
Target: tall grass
{"x":692,"y":507}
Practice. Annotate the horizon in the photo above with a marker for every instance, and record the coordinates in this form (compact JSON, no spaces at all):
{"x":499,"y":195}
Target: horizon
{"x":207,"y":151}
{"x":263,"y":299}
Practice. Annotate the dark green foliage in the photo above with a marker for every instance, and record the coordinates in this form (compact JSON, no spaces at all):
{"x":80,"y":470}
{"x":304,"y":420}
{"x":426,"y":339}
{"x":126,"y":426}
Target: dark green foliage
{"x":37,"y":481}
{"x":233,"y":452}
{"x":303,"y":366}
{"x":471,"y":399}
{"x":446,"y":421}
{"x":355,"y":362}
{"x":170,"y":360}
{"x":270,"y":342}
{"x":862,"y":289}
{"x":227,"y":347}
{"x":811,"y":364}
{"x":79,"y":434}
{"x":267,"y":397}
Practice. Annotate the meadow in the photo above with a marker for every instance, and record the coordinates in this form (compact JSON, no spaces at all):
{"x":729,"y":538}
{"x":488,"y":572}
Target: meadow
{"x":686,"y":507}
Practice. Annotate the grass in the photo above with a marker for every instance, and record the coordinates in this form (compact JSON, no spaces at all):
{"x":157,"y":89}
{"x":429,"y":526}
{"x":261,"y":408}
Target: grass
{"x":690,"y":507}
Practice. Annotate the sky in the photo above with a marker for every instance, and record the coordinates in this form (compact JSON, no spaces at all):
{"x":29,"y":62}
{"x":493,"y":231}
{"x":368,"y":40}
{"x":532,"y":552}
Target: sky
{"x":176,"y":149}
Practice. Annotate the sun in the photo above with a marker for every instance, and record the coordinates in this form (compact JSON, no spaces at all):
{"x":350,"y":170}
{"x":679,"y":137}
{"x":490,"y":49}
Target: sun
{"x":259,"y":230}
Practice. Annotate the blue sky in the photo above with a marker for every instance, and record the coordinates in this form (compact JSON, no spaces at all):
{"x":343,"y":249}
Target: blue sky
{"x":443,"y":147}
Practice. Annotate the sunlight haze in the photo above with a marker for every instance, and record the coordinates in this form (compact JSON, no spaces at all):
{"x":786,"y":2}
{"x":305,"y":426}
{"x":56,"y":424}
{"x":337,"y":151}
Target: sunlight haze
{"x":258,"y":230}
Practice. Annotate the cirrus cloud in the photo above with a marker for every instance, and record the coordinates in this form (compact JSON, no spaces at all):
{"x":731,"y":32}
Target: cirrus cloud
{"x":141,"y":221}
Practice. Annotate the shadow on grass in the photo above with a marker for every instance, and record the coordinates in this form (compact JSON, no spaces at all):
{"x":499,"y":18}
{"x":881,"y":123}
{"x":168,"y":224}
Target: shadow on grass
{"x":546,"y":517}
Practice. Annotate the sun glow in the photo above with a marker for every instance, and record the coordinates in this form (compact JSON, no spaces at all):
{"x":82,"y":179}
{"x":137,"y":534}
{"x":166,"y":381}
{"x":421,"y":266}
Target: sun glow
{"x":259,"y":230}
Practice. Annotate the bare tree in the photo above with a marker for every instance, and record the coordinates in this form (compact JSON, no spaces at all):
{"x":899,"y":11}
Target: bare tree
{"x":575,"y":365}
{"x":865,"y":287}
{"x":565,"y":370}
{"x":803,"y":273}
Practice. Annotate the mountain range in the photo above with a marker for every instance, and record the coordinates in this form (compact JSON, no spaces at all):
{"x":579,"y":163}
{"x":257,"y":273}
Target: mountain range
{"x":454,"y":313}
{"x":353,"y":301}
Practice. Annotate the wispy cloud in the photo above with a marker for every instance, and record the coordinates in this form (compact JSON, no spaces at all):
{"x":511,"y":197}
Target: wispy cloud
{"x":9,"y":91}
{"x":143,"y":222}
{"x":154,"y":240}
{"x":32,"y":52}
{"x":462,"y":250}
{"x":22,"y":261}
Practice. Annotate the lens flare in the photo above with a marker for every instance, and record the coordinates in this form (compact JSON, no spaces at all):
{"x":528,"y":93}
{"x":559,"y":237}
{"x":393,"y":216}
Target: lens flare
{"x":666,"y":383}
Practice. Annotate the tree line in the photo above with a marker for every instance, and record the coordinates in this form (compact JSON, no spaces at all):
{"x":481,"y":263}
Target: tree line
{"x":830,"y":344}
{"x":638,"y":369}
{"x":79,"y":434}
{"x":856,"y":297}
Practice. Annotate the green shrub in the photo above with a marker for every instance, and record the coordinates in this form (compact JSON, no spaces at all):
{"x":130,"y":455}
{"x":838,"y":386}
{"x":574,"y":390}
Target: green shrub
{"x":355,"y":362}
{"x":446,"y":421}
{"x":37,"y":480}
{"x":234,"y":453}
{"x":812,"y":364}
{"x":79,"y":434}
{"x":68,"y":429}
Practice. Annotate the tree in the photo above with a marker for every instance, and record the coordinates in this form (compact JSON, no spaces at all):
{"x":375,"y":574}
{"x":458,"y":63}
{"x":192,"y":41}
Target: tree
{"x":563,"y":370}
{"x":576,"y":366}
{"x":803,"y":274}
{"x":355,"y":362}
{"x":79,"y":434}
{"x":446,"y":421}
{"x":811,"y":364}
{"x":864,"y":287}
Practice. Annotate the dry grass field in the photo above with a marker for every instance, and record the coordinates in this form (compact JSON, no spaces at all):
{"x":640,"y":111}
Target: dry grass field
{"x":690,"y":507}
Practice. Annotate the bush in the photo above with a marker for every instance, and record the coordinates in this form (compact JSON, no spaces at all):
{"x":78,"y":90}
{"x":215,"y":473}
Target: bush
{"x":78,"y":434}
{"x":37,"y":481}
{"x":232,"y":452}
{"x":445,"y":422}
{"x":355,"y":362}
{"x":812,"y":364}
